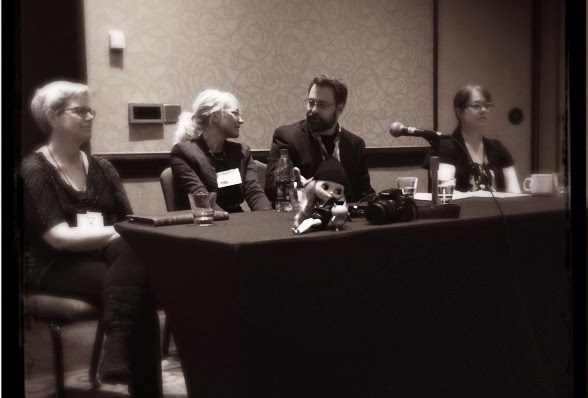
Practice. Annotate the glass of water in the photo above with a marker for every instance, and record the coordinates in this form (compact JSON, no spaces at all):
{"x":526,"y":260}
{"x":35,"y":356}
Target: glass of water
{"x":559,"y":183}
{"x":445,"y":190}
{"x":407,"y":185}
{"x":202,"y":205}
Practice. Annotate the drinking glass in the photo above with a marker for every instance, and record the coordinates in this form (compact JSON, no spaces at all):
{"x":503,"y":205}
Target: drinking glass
{"x":202,"y":205}
{"x":559,"y":183}
{"x":407,"y":185}
{"x":445,"y":190}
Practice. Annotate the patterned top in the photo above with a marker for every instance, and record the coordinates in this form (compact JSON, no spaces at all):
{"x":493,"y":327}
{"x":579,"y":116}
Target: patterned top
{"x":49,"y":201}
{"x":471,"y":176}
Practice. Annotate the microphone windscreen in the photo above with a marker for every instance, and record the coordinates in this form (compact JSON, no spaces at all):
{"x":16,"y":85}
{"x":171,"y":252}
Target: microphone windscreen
{"x":396,"y":129}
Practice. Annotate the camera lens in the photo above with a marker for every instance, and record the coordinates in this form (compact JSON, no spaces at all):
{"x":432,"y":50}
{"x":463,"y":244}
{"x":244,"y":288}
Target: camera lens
{"x":381,"y":211}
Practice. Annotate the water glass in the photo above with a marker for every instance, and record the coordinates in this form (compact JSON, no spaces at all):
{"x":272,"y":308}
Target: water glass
{"x":559,"y":183}
{"x":407,"y":185}
{"x":445,"y":190}
{"x":202,"y":205}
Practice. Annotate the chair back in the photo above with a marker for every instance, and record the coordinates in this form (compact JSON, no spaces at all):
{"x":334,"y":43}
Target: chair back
{"x":167,"y":186}
{"x":261,"y":170}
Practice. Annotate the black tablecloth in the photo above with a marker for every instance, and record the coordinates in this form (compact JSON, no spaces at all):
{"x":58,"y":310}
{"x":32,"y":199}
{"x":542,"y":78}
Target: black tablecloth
{"x":429,"y":308}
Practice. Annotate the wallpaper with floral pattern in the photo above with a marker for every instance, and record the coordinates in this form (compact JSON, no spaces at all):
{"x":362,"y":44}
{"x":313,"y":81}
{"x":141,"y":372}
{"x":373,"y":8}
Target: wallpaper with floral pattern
{"x":265,"y":52}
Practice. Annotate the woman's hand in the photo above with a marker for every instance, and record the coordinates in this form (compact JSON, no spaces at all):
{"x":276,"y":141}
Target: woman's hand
{"x":446,"y":172}
{"x":64,"y":237}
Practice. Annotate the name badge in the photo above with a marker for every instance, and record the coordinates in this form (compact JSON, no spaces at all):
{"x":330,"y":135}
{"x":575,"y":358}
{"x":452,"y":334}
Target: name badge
{"x":228,"y":178}
{"x":90,"y":220}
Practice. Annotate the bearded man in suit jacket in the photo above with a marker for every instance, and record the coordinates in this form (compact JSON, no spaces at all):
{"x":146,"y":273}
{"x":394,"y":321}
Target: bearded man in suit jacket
{"x":320,"y":136}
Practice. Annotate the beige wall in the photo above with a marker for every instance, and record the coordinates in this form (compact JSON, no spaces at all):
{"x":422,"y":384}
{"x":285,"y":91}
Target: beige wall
{"x":489,"y":42}
{"x":265,"y":52}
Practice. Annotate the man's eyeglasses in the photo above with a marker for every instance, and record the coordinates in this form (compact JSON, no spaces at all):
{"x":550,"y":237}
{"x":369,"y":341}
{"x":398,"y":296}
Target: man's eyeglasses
{"x":310,"y":103}
{"x":478,"y":107}
{"x":81,"y":111}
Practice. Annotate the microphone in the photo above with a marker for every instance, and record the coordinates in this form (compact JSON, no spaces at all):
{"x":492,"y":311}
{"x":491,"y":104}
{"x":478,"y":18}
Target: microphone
{"x":397,"y":129}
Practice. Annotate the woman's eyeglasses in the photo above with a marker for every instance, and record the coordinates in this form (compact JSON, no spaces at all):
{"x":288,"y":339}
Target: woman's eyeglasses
{"x":81,"y":111}
{"x":478,"y":107}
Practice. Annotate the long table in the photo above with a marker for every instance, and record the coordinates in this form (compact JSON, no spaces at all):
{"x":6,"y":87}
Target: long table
{"x":428,"y":308}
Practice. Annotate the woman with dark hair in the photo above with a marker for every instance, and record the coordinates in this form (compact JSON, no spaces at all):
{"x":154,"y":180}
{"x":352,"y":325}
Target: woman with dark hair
{"x":475,"y":161}
{"x":71,"y":201}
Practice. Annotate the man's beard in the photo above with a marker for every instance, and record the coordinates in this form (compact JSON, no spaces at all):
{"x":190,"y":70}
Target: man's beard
{"x":318,"y":124}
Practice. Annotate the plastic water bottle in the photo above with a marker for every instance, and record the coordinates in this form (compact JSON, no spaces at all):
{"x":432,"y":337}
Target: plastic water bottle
{"x":284,"y":181}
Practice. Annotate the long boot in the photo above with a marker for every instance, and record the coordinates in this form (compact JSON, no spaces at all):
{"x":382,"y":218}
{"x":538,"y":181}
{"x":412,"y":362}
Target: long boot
{"x":121,"y":308}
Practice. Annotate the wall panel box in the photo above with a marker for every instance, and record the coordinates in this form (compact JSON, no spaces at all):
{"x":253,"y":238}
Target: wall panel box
{"x":145,"y":113}
{"x":116,"y":40}
{"x":171,"y":112}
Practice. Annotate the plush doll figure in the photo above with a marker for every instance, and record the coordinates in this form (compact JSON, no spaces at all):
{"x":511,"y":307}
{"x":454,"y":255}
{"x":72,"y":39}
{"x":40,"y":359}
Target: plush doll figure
{"x":340,"y":216}
{"x":324,"y":193}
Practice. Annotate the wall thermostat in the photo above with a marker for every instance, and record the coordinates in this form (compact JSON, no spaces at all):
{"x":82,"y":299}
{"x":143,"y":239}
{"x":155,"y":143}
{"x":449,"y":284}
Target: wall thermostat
{"x":145,"y":113}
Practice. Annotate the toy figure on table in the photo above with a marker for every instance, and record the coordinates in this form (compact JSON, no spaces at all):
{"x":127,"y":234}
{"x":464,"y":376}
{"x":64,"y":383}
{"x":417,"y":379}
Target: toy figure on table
{"x":324,"y":199}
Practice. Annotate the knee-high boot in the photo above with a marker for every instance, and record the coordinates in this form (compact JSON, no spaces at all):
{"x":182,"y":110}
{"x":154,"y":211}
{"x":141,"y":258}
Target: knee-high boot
{"x":122,"y":306}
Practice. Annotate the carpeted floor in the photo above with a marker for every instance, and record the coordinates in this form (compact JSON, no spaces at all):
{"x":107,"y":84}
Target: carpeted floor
{"x":77,"y":346}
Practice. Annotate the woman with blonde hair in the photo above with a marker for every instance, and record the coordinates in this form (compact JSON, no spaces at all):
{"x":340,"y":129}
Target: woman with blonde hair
{"x":71,"y":202}
{"x":203,"y":158}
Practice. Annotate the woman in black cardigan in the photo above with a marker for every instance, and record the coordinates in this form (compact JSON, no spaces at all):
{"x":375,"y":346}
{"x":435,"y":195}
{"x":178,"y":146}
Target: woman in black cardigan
{"x":203,"y":160}
{"x":71,"y":201}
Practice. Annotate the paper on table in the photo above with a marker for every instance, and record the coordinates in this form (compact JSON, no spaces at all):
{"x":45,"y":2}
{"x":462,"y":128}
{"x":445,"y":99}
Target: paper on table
{"x":477,"y":194}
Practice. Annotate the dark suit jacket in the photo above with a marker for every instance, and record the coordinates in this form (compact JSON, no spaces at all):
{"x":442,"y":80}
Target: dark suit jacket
{"x":305,"y":154}
{"x":195,"y":170}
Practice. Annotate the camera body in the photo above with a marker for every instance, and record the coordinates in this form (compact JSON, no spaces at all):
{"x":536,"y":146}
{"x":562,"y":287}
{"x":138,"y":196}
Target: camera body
{"x":390,"y":206}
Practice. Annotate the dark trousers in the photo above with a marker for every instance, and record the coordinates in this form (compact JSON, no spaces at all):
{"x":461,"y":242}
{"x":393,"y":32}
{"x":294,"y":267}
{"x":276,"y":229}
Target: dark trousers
{"x":87,"y":276}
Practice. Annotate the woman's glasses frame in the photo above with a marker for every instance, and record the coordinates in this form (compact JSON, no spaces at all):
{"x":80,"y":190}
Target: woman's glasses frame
{"x":478,"y":107}
{"x":81,"y":111}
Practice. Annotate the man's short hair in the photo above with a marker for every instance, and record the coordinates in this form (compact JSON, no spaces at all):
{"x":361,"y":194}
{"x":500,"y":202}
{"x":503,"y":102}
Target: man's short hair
{"x":339,"y":88}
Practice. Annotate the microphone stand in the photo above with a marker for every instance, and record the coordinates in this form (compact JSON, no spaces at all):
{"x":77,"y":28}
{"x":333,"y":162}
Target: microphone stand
{"x":436,"y":210}
{"x":434,"y":170}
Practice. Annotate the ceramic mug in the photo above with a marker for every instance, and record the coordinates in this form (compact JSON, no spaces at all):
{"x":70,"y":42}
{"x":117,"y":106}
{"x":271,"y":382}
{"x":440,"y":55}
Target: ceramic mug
{"x":539,"y":184}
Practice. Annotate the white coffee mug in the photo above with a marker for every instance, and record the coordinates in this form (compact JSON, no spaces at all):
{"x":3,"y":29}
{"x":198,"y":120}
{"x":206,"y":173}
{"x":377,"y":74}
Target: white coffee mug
{"x":539,"y":184}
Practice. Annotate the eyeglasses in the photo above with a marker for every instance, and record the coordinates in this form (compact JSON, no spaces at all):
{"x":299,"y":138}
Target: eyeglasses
{"x":310,"y":103}
{"x":236,"y":113}
{"x":81,"y":111}
{"x":478,"y":107}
